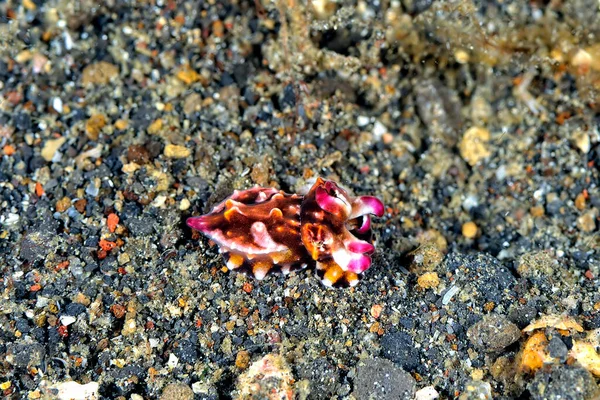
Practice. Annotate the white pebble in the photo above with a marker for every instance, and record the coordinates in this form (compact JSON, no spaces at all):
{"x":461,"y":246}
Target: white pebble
{"x":379,"y":129}
{"x":469,"y":202}
{"x":427,"y":393}
{"x":173,"y":361}
{"x":362,"y":121}
{"x":72,"y":390}
{"x":11,"y":219}
{"x":501,"y":173}
{"x":184,"y":204}
{"x":67,"y":320}
{"x":92,"y":190}
{"x":159,"y":202}
{"x":41,"y":302}
{"x":449,"y":294}
{"x":57,"y":104}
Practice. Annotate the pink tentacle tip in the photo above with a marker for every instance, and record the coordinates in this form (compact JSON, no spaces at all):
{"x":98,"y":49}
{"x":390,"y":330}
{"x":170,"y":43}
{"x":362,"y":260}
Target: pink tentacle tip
{"x":360,"y":246}
{"x":366,"y":224}
{"x":198,"y":223}
{"x":359,"y":265}
{"x":367,"y":205}
{"x":327,"y":198}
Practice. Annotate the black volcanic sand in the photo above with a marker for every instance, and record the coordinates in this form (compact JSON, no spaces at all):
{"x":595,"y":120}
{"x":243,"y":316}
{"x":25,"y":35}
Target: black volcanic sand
{"x":476,"y":123}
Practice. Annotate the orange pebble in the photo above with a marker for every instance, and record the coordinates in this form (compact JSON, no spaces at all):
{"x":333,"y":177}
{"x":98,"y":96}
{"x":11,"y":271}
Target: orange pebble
{"x":9,"y":150}
{"x":39,"y":190}
{"x":106,"y":245}
{"x":112,"y":221}
{"x":533,"y":355}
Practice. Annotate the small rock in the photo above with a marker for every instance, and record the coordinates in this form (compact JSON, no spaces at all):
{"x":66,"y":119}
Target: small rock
{"x":428,"y":280}
{"x":268,"y":378}
{"x":433,"y":237}
{"x":121,"y":124}
{"x":100,"y":73}
{"x":51,"y":147}
{"x":427,"y":393}
{"x":71,"y":390}
{"x":63,"y":204}
{"x":242,"y":360}
{"x":188,"y":75}
{"x":536,"y":264}
{"x":186,"y":351}
{"x":379,"y":379}
{"x":67,"y":320}
{"x":141,"y":226}
{"x":123,"y":258}
{"x":477,"y":390}
{"x":94,"y":125}
{"x":323,"y":9}
{"x":473,"y":145}
{"x":184,"y":204}
{"x":322,"y":376}
{"x":581,"y":139}
{"x":469,"y":229}
{"x":155,"y":126}
{"x":25,"y":354}
{"x":129,"y":327}
{"x":580,"y":201}
{"x":587,"y":222}
{"x":138,"y":154}
{"x":192,"y":103}
{"x":92,"y":190}
{"x":35,"y":246}
{"x":177,"y":391}
{"x":557,"y":348}
{"x":74,"y":309}
{"x":399,"y":348}
{"x":426,"y":257}
{"x":80,"y":205}
{"x":563,"y":382}
{"x":175,"y":151}
{"x":205,"y":391}
{"x":493,"y":333}
{"x":260,"y":174}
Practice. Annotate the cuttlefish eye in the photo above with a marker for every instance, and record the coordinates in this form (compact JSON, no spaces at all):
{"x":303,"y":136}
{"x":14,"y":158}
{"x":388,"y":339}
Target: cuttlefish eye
{"x":317,"y":239}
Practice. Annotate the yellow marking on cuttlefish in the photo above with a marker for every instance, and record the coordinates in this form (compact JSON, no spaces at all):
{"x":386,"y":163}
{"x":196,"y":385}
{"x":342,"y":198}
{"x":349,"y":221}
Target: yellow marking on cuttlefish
{"x":261,"y":268}
{"x":282,"y":256}
{"x":352,"y":278}
{"x":276,"y":213}
{"x":229,"y":213}
{"x":235,"y":261}
{"x":333,"y":273}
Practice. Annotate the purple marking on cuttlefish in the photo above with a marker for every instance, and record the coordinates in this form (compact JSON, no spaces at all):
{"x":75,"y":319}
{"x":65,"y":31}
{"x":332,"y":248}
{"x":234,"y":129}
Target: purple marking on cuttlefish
{"x":198,"y":223}
{"x":366,"y":224}
{"x":367,"y":205}
{"x":332,"y":203}
{"x":360,"y":246}
{"x":360,"y":264}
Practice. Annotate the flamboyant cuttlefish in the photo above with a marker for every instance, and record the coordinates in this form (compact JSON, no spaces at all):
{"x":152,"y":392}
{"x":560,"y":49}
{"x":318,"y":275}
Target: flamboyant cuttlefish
{"x":263,"y":230}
